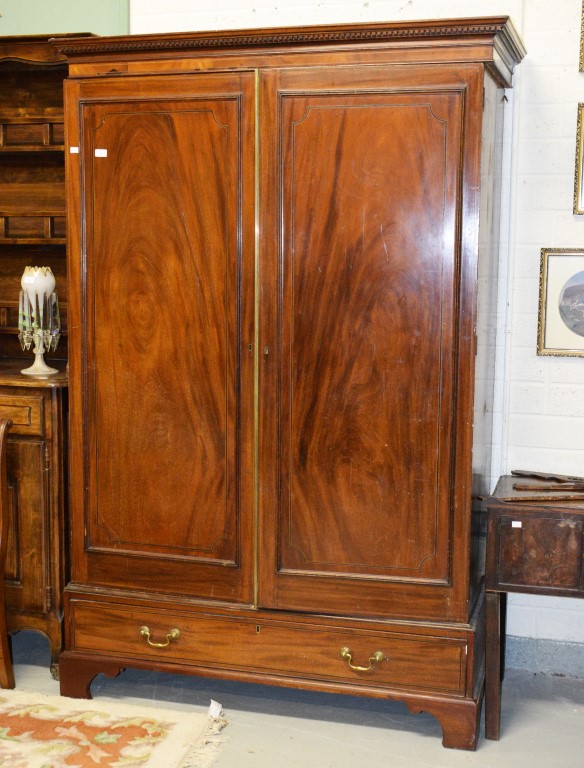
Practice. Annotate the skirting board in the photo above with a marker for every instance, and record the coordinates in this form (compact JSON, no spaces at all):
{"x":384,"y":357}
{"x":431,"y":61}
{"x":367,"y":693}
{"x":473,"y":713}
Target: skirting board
{"x":547,"y":656}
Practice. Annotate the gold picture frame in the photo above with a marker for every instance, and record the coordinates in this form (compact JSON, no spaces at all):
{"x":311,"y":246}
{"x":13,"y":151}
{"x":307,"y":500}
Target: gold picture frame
{"x":560,"y":326}
{"x":579,"y":172}
{"x":582,"y":39}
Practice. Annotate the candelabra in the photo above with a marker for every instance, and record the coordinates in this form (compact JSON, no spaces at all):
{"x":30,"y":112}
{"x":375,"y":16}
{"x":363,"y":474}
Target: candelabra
{"x":39,"y":322}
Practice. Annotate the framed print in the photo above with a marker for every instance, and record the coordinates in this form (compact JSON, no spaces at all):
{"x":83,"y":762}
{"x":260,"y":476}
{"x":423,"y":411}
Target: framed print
{"x":582,"y":39}
{"x":579,"y":174}
{"x":560,"y":327}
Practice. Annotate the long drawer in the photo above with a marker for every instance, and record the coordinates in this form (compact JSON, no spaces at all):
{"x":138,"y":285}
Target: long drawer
{"x":315,"y":651}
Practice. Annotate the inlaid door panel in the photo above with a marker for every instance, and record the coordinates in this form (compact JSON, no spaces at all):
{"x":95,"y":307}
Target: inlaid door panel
{"x":169,"y":371}
{"x":364,"y":337}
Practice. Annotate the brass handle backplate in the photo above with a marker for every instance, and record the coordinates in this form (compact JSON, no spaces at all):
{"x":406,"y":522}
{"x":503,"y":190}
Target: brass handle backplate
{"x":174,"y":634}
{"x":376,"y":658}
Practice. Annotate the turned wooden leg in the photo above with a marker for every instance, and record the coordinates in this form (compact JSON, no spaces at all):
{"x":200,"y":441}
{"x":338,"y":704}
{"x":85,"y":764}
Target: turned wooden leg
{"x":77,"y":673}
{"x":6,"y":668}
{"x":493,"y":667}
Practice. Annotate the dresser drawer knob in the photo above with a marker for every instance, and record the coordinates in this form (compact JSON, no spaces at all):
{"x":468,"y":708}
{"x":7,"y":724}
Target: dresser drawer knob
{"x":377,"y":657}
{"x":174,"y":634}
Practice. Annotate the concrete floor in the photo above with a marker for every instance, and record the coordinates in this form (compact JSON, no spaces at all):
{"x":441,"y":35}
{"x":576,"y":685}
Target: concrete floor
{"x":542,"y":722}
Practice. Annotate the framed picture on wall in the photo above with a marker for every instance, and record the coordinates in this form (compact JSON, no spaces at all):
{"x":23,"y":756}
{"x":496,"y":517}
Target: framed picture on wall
{"x":579,"y":174}
{"x":560,"y":327}
{"x":582,"y":39}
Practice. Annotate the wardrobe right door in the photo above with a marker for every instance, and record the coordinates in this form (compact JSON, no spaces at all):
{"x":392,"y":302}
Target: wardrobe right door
{"x":362,"y":308}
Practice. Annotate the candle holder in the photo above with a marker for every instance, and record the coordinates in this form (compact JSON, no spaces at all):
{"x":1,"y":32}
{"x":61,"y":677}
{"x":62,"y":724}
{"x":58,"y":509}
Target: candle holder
{"x":39,"y":322}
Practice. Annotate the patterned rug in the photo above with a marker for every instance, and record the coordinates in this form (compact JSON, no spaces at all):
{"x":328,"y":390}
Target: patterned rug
{"x":39,"y":731}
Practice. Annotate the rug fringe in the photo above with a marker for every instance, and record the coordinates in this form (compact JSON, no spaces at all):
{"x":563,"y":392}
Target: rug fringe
{"x":204,"y":752}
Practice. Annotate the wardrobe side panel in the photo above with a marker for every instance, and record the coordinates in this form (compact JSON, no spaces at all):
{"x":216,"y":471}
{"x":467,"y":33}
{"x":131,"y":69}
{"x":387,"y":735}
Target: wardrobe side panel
{"x":487,"y":319}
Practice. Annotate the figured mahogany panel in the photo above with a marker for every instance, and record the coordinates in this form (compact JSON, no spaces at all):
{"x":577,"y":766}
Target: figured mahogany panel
{"x":369,"y":181}
{"x":366,"y":334}
{"x":164,"y":384}
{"x":163,"y":337}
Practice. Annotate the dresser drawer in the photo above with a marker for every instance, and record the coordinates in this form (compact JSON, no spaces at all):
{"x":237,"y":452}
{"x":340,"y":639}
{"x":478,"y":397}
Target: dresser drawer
{"x":25,"y":412}
{"x":270,"y":646}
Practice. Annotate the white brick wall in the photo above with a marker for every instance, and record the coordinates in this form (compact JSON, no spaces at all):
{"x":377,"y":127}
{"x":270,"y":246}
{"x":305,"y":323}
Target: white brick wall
{"x":540,"y":413}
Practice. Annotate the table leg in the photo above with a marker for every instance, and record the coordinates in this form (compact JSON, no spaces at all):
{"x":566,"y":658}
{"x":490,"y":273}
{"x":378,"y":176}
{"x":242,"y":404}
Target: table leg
{"x":493,"y":667}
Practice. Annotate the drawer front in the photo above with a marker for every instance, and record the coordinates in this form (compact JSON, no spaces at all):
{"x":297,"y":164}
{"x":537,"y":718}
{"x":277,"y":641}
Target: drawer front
{"x":540,"y":552}
{"x":26,"y":414}
{"x":310,"y":651}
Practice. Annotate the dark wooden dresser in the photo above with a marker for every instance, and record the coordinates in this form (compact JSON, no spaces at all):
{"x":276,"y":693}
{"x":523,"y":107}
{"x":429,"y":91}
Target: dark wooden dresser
{"x":535,"y":545}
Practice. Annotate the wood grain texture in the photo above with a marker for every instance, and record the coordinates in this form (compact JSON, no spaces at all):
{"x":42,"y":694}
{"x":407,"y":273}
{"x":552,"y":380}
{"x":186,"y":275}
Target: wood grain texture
{"x":543,"y":552}
{"x":366,"y":331}
{"x":6,"y":668}
{"x":28,"y":534}
{"x":165,"y":337}
{"x":460,"y":721}
{"x":277,"y":647}
{"x":494,"y":667}
{"x":164,"y":340}
{"x":365,"y":334}
{"x":32,"y":188}
{"x":361,"y":205}
{"x":534,"y":546}
{"x":36,"y":564}
{"x":460,"y":39}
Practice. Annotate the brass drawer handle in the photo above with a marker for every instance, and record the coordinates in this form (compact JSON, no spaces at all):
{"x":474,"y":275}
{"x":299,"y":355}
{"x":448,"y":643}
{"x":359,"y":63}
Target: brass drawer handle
{"x":377,"y":657}
{"x":172,"y":635}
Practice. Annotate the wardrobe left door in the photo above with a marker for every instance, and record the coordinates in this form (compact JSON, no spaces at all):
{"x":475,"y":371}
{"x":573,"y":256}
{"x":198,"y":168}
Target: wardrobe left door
{"x":161,"y":185}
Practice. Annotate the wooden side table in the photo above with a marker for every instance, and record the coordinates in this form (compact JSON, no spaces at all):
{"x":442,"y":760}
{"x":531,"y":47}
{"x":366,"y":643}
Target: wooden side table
{"x":35,"y":570}
{"x":534,"y":545}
